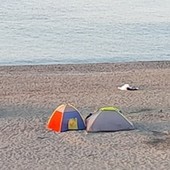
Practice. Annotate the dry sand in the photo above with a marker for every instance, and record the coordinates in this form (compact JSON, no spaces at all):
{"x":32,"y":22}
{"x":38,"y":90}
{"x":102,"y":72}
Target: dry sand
{"x":29,"y":94}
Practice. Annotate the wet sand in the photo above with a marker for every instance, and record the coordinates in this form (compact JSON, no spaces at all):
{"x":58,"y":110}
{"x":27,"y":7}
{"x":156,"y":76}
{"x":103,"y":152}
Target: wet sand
{"x":29,"y":94}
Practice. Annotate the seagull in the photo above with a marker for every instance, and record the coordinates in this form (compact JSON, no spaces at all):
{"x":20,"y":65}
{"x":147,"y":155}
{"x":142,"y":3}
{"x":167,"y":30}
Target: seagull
{"x":127,"y":87}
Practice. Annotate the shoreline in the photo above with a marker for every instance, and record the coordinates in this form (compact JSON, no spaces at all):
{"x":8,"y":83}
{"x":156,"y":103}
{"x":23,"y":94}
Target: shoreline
{"x":81,"y":64}
{"x":29,"y":95}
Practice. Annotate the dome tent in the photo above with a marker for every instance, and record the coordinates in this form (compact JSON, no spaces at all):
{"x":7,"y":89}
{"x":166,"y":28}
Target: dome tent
{"x":65,"y":117}
{"x":108,"y":119}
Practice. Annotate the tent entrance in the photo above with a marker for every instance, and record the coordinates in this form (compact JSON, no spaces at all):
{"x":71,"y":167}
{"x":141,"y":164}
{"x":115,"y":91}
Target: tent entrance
{"x":72,"y":124}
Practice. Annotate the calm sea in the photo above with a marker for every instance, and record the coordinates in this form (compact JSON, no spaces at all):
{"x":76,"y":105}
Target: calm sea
{"x":83,"y":31}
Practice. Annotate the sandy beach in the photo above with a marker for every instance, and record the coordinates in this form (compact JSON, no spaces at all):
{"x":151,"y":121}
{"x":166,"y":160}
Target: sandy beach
{"x":29,"y":94}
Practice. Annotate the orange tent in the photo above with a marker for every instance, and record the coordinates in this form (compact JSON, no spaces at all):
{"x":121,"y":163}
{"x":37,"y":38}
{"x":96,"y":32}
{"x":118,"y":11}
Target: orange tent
{"x":65,"y":117}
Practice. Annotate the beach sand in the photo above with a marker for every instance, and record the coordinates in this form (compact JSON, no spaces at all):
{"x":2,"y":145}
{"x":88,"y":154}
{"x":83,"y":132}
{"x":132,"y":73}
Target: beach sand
{"x":29,"y":94}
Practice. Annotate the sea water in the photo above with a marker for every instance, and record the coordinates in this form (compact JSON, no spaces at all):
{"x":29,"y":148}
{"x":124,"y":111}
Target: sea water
{"x":83,"y":31}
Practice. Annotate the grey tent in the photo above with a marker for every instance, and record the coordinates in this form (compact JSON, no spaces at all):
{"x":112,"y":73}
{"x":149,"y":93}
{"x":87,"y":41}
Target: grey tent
{"x":108,"y":119}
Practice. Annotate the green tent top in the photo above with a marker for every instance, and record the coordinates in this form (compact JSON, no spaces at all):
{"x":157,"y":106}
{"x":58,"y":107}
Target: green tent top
{"x":109,"y":108}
